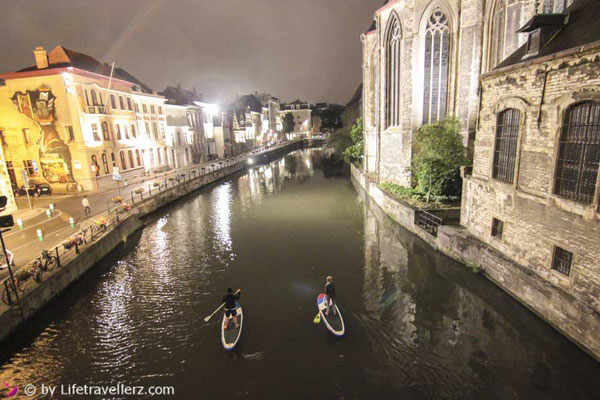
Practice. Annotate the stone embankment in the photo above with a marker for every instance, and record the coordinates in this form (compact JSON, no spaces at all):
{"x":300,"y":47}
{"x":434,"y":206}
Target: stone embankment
{"x":75,"y":264}
{"x":574,"y":319}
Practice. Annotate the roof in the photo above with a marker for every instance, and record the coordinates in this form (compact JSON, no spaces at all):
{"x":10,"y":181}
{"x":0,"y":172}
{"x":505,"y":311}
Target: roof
{"x":179,"y":96}
{"x":581,"y":27}
{"x":544,"y":20}
{"x":250,"y":101}
{"x":357,"y":96}
{"x":298,"y":101}
{"x":61,"y":57}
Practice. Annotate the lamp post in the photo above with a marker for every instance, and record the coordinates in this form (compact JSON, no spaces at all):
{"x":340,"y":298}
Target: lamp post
{"x":7,"y":221}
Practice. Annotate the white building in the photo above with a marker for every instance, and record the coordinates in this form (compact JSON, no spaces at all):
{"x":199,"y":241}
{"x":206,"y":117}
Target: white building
{"x":302,"y":118}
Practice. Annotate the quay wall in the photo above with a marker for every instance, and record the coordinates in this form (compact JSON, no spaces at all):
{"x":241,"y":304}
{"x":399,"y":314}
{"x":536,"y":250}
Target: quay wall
{"x":573,"y":318}
{"x":55,"y":282}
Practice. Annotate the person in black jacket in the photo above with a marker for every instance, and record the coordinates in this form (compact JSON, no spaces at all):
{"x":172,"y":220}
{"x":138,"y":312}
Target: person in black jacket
{"x":330,"y":292}
{"x":229,"y":300}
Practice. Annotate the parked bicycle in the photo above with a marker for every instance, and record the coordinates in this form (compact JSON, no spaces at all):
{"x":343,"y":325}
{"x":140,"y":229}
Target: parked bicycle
{"x":8,"y":292}
{"x":45,"y":262}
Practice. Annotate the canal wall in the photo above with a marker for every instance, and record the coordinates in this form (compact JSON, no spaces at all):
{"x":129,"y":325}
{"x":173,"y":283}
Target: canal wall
{"x":75,"y":267}
{"x":573,"y":318}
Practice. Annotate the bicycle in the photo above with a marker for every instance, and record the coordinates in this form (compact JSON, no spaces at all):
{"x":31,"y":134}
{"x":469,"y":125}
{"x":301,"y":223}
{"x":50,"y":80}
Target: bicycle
{"x":8,"y":292}
{"x":87,"y":211}
{"x":45,"y":262}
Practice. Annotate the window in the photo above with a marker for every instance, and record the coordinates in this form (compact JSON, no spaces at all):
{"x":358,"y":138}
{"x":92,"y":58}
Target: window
{"x":94,"y":98}
{"x":112,"y":157}
{"x":70,"y":133}
{"x":166,"y":156}
{"x":137,"y":158}
{"x":579,"y":153}
{"x":113,"y":103}
{"x":123,"y":164}
{"x":129,"y":104}
{"x":151,"y":156}
{"x":147,"y":124}
{"x":502,"y":37}
{"x":121,"y":103}
{"x":26,"y":136}
{"x":130,"y":156}
{"x":30,"y":166}
{"x":497,"y":228}
{"x":137,"y":108}
{"x":505,"y":151}
{"x":562,"y":260}
{"x":105,"y":132}
{"x":95,"y":164}
{"x":118,"y":131}
{"x":437,"y":56}
{"x":126,"y":131}
{"x":159,"y":156}
{"x":144,"y":108}
{"x":87,"y":99}
{"x":155,"y":131}
{"x":105,"y":163}
{"x":392,"y":52}
{"x":152,"y":109}
{"x":133,"y":134}
{"x":95,"y":132}
{"x":160,"y":110}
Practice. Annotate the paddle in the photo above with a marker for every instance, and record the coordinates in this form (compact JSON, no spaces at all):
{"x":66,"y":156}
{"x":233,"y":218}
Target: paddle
{"x":221,"y":306}
{"x":317,"y":318}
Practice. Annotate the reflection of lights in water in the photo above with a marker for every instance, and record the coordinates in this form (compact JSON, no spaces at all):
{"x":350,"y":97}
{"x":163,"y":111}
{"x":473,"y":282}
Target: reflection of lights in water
{"x":308,"y":163}
{"x":282,"y":162}
{"x":269,"y":173}
{"x":222,"y":213}
{"x":161,"y":235}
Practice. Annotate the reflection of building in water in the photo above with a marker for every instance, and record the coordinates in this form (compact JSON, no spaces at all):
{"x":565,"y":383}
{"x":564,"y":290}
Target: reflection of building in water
{"x":426,"y":316}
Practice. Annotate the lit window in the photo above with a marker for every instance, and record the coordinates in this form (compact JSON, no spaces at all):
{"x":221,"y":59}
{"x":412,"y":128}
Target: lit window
{"x":437,"y":55}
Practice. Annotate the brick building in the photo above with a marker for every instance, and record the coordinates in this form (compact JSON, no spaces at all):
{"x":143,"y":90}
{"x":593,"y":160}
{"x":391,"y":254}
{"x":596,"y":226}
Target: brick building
{"x":534,"y":190}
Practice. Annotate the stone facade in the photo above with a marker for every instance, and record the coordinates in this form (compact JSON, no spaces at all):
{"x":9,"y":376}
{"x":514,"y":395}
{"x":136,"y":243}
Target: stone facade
{"x":476,"y":35}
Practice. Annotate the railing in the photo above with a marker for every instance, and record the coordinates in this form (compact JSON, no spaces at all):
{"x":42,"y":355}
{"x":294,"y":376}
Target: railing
{"x":428,"y":222}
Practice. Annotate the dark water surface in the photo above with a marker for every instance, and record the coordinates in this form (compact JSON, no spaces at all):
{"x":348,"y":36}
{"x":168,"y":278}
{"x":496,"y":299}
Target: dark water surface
{"x":419,"y":325}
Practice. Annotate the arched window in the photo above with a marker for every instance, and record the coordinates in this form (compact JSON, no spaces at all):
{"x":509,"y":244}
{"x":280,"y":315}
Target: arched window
{"x":121,"y":103}
{"x":137,"y":158}
{"x":129,"y":104}
{"x":579,"y":152}
{"x":94,"y":98}
{"x":105,"y":163}
{"x":126,"y":131}
{"x":105,"y":132}
{"x":130,"y":156}
{"x":436,"y":63}
{"x":392,"y":51}
{"x":505,"y":150}
{"x":113,"y":103}
{"x":123,"y":163}
{"x":114,"y":162}
{"x":133,"y":134}
{"x":95,"y":164}
{"x":118,"y":130}
{"x":503,"y":38}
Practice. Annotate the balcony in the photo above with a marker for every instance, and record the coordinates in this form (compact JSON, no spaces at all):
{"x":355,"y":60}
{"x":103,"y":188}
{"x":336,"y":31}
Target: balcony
{"x":96,"y":109}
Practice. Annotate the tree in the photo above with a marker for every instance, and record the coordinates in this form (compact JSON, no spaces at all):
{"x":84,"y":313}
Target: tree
{"x":331,"y":118}
{"x":288,"y":122}
{"x":438,"y":156}
{"x":355,"y":151}
{"x":339,"y":140}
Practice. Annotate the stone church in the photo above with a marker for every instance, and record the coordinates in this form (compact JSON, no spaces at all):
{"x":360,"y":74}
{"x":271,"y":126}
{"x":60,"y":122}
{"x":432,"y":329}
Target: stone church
{"x":422,"y":61}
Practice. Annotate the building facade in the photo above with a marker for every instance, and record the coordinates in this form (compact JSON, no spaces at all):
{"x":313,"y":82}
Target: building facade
{"x":301,"y":112}
{"x":421,"y":63}
{"x":353,"y":109}
{"x":534,"y":190}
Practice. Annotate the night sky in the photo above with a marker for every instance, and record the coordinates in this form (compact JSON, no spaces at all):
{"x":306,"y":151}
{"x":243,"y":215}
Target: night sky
{"x":307,"y":49}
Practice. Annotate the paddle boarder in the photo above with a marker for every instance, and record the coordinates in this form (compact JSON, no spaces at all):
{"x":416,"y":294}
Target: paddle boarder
{"x":229,"y":300}
{"x":330,"y":292}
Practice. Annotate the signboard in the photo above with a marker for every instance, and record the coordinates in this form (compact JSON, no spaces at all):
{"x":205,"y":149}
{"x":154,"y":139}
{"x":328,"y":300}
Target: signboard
{"x":115,"y":174}
{"x":115,"y":171}
{"x":93,"y":168}
{"x":76,"y":164}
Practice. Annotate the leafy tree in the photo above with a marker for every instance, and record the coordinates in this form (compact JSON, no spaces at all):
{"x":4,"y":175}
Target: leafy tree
{"x":438,"y":156}
{"x":355,"y":151}
{"x":331,"y":118}
{"x":339,"y":140}
{"x":288,"y":122}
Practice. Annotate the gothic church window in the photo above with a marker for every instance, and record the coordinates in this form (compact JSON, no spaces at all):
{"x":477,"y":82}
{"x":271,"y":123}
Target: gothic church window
{"x":505,"y":151}
{"x":437,"y":57}
{"x":503,"y":38}
{"x":579,"y":153}
{"x":392,"y":49}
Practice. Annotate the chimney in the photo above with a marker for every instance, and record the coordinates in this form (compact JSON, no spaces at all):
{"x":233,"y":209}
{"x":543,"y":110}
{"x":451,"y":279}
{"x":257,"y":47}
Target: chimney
{"x":41,"y":57}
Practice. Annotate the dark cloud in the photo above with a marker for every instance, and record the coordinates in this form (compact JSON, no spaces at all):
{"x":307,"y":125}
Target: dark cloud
{"x":292,"y":48}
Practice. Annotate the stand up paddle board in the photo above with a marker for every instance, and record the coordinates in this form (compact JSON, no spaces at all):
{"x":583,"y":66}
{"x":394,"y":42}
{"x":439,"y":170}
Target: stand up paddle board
{"x":333,"y":321}
{"x":231,"y":335}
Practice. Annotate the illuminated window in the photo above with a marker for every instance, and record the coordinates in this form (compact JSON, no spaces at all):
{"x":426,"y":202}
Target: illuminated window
{"x":435,"y":86}
{"x":29,"y":166}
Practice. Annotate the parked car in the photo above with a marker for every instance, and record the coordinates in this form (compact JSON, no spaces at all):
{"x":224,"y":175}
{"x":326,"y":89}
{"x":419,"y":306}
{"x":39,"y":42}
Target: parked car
{"x":37,"y":189}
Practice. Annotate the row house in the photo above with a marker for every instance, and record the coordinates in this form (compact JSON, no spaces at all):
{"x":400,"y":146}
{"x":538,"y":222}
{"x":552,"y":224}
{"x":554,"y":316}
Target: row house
{"x":246,"y":113}
{"x":302,"y":118}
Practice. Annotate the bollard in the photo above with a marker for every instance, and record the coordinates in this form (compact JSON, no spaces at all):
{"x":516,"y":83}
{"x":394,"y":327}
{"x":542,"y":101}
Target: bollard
{"x":58,"y":256}
{"x":49,"y":213}
{"x":76,"y":247}
{"x":72,"y":222}
{"x":20,"y":223}
{"x":40,"y":235}
{"x":132,"y":199}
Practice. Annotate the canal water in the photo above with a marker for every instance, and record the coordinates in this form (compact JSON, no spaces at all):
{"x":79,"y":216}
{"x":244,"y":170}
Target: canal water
{"x":419,"y":325}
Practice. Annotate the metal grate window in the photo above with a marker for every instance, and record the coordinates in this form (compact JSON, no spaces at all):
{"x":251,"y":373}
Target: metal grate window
{"x":579,"y":153}
{"x":505,"y":152}
{"x":497,"y":228}
{"x":562,"y":261}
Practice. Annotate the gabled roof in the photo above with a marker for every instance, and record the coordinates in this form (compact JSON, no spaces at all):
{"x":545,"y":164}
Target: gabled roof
{"x":298,"y":101}
{"x":179,"y":96}
{"x":580,"y":27}
{"x":542,"y":21}
{"x":61,"y":57}
{"x":249,"y":101}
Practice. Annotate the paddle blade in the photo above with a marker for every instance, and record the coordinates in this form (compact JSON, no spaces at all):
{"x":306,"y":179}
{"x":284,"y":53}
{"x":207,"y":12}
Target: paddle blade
{"x":317,"y":318}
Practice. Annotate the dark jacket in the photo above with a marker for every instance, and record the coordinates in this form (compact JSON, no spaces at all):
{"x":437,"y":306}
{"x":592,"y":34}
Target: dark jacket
{"x":229,"y":300}
{"x":330,"y":289}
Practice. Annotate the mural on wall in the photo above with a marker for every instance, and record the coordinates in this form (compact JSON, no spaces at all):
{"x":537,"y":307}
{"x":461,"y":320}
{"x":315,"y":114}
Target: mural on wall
{"x":55,"y":156}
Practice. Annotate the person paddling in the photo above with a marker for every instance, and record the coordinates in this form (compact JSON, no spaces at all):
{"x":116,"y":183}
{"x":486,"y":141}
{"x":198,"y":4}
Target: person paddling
{"x":330,"y":292}
{"x":229,"y":300}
